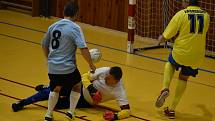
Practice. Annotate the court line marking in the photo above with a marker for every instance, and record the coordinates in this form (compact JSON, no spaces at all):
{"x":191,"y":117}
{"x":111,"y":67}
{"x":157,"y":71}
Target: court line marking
{"x":153,"y":58}
{"x":157,"y":73}
{"x":80,"y":117}
{"x":22,"y":27}
{"x":100,"y":106}
{"x":112,"y":62}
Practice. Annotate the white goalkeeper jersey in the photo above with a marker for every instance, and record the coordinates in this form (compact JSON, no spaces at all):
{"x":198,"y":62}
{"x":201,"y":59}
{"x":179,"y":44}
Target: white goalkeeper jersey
{"x":108,"y":92}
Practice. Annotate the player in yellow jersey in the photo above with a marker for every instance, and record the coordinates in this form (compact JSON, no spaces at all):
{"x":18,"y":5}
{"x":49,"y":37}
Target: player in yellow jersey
{"x":191,"y":25}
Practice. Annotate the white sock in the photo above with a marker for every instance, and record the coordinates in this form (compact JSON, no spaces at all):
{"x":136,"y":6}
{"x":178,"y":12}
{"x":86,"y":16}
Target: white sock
{"x":53,"y":98}
{"x":74,"y":97}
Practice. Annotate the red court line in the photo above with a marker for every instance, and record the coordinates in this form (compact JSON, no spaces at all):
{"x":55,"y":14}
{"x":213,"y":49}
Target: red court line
{"x":80,"y":117}
{"x":99,"y":106}
{"x":16,"y":82}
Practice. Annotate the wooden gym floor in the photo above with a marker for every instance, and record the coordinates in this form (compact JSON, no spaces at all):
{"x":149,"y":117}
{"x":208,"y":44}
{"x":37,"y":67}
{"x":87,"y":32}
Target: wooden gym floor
{"x":23,"y":66}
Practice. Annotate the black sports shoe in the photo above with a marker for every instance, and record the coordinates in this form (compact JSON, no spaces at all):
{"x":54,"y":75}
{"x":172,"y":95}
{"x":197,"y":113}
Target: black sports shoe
{"x":40,"y":87}
{"x":70,"y":116}
{"x":169,"y":113}
{"x":48,"y":119}
{"x":17,"y":106}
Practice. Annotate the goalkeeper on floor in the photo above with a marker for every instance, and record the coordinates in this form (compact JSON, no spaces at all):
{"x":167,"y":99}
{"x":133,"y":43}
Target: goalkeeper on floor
{"x":104,"y":85}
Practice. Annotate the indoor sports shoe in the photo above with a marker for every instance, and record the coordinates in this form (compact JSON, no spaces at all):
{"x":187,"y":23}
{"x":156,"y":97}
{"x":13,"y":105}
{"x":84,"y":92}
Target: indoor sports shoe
{"x":40,"y":87}
{"x":161,"y":98}
{"x":17,"y":106}
{"x":70,"y":116}
{"x":169,"y":113}
{"x":48,"y":117}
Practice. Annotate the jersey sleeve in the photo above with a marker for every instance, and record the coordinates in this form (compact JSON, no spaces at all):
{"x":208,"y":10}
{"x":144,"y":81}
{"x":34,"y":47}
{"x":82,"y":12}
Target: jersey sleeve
{"x":173,"y":26}
{"x":207,"y":22}
{"x":78,"y":37}
{"x":100,"y":73}
{"x":46,"y":39}
{"x":121,"y":96}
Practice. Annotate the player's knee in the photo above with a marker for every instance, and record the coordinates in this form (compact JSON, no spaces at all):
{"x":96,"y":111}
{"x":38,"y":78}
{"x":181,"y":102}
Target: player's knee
{"x":183,"y":77}
{"x":77,"y":87}
{"x":57,"y":89}
{"x":168,"y":65}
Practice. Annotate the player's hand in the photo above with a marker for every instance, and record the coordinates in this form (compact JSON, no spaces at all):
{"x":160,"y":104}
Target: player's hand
{"x":160,"y":39}
{"x":93,"y":68}
{"x":97,"y":97}
{"x":95,"y":94}
{"x":108,"y":115}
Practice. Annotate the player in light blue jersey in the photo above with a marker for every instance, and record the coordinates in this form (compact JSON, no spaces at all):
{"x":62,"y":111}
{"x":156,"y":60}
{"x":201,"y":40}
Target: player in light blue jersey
{"x":59,"y":46}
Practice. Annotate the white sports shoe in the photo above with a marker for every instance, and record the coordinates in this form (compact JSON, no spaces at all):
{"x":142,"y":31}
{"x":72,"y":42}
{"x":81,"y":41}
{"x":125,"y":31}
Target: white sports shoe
{"x":161,"y":98}
{"x":48,"y":117}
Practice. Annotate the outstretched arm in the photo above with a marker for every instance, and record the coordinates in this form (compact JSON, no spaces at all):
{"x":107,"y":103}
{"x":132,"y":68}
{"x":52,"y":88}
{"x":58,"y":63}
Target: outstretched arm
{"x":85,"y":53}
{"x":124,"y":105}
{"x":161,"y":39}
{"x":124,"y":113}
{"x":87,"y":83}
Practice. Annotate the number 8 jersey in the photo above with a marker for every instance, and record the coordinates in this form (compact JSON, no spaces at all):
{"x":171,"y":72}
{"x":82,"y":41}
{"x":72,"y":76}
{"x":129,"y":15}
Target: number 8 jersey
{"x":191,"y":25}
{"x":62,"y":39}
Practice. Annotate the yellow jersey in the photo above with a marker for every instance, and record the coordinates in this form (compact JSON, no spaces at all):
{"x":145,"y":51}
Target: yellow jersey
{"x":191,"y":25}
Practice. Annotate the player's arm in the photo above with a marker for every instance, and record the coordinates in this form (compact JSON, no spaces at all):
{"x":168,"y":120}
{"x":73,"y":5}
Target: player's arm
{"x":124,"y":113}
{"x":172,"y":28}
{"x":45,"y":51}
{"x":87,"y":83}
{"x":207,"y":22}
{"x":88,"y":78}
{"x":124,"y":105}
{"x":86,"y":54}
{"x":161,"y":39}
{"x":78,"y":36}
{"x":45,"y":44}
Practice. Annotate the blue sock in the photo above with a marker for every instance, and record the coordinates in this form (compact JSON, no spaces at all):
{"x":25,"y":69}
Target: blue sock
{"x":40,"y":96}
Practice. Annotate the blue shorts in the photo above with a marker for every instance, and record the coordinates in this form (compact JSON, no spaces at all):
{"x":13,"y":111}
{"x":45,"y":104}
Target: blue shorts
{"x":185,"y":70}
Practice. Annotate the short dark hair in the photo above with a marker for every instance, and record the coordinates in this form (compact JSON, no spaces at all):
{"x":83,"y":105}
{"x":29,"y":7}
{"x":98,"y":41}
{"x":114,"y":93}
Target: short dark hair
{"x":194,"y":2}
{"x":70,"y":9}
{"x":116,"y":72}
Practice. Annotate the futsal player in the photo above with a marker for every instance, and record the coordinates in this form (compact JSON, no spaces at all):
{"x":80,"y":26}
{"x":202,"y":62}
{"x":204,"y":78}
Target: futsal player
{"x":59,"y":46}
{"x":191,"y":24}
{"x":104,"y":85}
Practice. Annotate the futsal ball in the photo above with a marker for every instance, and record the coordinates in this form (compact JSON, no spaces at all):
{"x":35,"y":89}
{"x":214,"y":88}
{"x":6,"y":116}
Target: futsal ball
{"x":95,"y":55}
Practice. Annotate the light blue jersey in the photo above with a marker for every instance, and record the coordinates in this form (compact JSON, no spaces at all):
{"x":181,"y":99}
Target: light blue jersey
{"x":62,"y":39}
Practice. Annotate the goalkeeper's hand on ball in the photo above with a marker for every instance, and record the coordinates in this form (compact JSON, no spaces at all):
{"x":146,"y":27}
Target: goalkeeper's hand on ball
{"x":95,"y":94}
